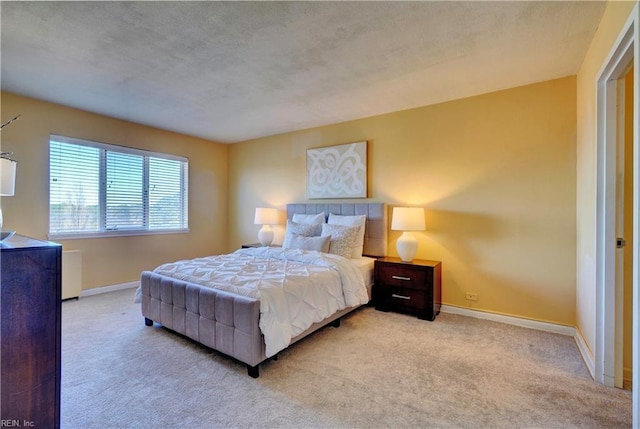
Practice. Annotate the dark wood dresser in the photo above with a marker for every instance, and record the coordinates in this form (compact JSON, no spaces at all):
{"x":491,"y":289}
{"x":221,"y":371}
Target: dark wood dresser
{"x":30,"y":282}
{"x":408,"y":287}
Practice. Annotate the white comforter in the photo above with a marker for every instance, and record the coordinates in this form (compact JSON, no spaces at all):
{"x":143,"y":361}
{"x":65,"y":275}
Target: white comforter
{"x":296,"y":288}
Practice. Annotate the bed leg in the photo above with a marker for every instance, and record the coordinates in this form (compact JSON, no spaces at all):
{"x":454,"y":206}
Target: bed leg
{"x":336,"y":323}
{"x":148,"y":322}
{"x":253,"y":371}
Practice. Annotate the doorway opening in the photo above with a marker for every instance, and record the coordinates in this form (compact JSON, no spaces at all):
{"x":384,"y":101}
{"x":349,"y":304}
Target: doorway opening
{"x":624,"y":232}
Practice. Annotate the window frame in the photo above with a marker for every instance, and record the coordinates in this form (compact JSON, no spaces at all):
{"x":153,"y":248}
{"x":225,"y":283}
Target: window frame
{"x":104,"y":232}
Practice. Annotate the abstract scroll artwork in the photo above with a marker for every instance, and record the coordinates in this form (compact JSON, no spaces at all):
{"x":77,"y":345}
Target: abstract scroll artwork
{"x":337,"y":171}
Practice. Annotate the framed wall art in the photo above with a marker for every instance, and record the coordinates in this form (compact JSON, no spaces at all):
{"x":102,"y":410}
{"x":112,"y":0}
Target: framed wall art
{"x":337,"y":171}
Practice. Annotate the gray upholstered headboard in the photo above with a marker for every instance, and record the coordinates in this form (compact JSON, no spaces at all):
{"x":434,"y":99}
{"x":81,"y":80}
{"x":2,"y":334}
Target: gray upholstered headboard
{"x":375,"y":236}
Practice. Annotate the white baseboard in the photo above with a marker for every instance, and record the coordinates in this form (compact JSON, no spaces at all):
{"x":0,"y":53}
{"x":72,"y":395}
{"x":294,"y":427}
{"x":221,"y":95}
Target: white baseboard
{"x":585,"y":352}
{"x":112,"y":288}
{"x":511,"y":320}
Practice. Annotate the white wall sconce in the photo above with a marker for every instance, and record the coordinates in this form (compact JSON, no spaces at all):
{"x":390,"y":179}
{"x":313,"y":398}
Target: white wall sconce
{"x":407,"y":219}
{"x":7,"y":178}
{"x":265,"y":217}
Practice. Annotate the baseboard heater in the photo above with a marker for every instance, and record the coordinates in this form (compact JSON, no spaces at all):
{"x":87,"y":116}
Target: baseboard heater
{"x":71,"y":274}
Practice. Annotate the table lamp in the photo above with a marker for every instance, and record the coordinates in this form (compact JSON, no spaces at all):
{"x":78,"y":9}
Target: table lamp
{"x":265,"y":217}
{"x":407,"y":219}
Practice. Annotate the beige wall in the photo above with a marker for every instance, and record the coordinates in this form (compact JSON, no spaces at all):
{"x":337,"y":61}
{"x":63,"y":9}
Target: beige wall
{"x":496,"y":174}
{"x":614,"y":18}
{"x":108,"y":261}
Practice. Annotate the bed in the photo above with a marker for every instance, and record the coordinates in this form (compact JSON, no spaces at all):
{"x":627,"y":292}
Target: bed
{"x":231,"y":318}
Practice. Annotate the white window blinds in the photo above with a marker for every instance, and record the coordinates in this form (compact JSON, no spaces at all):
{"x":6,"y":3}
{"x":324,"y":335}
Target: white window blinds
{"x":166,"y":207}
{"x":100,"y":189}
{"x":124,"y":190}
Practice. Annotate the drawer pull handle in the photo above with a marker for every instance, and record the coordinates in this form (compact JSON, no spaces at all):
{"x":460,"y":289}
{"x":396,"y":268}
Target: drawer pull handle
{"x":401,"y":278}
{"x":393,"y":295}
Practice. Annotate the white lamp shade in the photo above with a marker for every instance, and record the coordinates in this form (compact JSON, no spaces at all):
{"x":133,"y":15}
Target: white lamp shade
{"x":408,"y":219}
{"x":266,"y":216}
{"x":7,"y":177}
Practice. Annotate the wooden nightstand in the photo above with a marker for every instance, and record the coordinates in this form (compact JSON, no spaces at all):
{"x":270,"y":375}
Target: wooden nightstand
{"x":408,"y":287}
{"x":246,"y":246}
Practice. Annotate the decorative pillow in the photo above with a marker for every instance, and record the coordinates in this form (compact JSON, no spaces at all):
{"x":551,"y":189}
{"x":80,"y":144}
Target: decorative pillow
{"x":343,"y":238}
{"x":304,"y":229}
{"x":319,"y":244}
{"x":308,"y":218}
{"x":359,"y":221}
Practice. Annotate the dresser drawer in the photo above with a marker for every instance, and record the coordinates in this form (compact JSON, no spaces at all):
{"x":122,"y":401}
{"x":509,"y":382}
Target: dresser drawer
{"x":400,"y":276}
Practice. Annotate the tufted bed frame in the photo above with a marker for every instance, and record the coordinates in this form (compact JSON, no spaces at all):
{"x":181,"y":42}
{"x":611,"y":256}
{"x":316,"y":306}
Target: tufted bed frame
{"x":227,"y":322}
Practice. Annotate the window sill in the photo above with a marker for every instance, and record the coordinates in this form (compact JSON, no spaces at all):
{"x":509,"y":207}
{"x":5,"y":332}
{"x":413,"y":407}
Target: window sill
{"x":111,"y":234}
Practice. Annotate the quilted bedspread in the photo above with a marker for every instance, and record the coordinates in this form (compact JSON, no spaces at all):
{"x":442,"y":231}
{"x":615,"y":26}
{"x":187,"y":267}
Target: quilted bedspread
{"x":296,"y":288}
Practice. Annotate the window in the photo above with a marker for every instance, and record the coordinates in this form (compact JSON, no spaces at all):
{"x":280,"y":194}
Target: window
{"x":96,"y":189}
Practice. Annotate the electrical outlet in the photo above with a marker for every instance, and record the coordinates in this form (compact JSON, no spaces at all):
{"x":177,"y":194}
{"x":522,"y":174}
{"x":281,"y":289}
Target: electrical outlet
{"x":471,"y":296}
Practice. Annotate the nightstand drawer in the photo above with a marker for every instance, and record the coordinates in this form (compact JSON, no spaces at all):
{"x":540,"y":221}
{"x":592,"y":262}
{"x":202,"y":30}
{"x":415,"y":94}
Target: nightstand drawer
{"x":402,"y":298}
{"x":395,"y":275}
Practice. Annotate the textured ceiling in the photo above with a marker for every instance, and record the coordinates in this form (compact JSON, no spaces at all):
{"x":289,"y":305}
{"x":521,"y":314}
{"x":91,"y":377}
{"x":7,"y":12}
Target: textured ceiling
{"x":232,"y":71}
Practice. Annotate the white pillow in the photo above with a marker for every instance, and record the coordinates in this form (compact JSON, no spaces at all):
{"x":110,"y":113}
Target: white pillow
{"x":308,"y":218}
{"x":303,"y":229}
{"x":343,"y":238}
{"x":319,"y":244}
{"x":359,"y":221}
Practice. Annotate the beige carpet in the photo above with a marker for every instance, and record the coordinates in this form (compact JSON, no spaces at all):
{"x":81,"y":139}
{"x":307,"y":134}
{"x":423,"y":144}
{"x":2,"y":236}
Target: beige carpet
{"x":378,"y":370}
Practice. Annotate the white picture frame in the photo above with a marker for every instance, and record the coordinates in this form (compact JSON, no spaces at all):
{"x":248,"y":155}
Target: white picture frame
{"x":337,"y":171}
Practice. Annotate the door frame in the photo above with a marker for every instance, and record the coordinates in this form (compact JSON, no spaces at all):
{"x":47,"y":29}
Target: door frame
{"x":624,"y":51}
